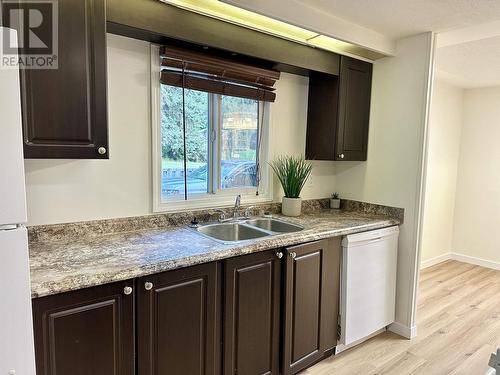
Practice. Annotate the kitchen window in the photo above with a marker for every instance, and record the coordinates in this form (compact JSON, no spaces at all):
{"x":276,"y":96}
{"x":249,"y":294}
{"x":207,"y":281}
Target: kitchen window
{"x":207,"y":147}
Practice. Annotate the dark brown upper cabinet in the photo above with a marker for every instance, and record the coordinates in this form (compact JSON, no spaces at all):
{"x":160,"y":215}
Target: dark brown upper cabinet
{"x":178,"y":322}
{"x":89,"y":331}
{"x":252,"y":314}
{"x":64,"y":109}
{"x":312,"y":277}
{"x":339,"y":112}
{"x":354,"y":109}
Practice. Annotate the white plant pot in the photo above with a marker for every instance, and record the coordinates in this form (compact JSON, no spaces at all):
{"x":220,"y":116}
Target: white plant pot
{"x":334,"y":203}
{"x":291,"y":206}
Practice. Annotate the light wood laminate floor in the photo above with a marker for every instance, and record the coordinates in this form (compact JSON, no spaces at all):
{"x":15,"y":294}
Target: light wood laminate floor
{"x":458,"y":327}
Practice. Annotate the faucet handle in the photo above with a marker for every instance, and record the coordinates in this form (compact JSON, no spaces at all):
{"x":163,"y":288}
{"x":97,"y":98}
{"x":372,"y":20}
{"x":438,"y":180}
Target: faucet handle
{"x":222,"y":214}
{"x":248,"y":211}
{"x":194,"y":223}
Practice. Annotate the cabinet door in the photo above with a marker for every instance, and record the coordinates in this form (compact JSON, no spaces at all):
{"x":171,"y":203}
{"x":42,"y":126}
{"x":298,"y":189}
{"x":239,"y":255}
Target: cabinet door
{"x":354,"y":109}
{"x":322,"y":116}
{"x":178,"y":319}
{"x":311,"y":303}
{"x":252,"y":314}
{"x":89,"y":331}
{"x":64,"y":109}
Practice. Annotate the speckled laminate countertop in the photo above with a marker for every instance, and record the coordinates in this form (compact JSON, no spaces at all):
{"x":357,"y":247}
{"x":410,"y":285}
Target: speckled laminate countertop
{"x":68,"y":264}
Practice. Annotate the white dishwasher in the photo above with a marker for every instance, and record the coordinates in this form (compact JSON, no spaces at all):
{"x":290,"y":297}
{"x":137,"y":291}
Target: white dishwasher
{"x":368,"y":283}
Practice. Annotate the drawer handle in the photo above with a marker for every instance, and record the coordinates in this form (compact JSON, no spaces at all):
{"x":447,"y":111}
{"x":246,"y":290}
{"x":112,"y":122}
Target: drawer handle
{"x":128,"y":290}
{"x":279,"y":254}
{"x":293,"y":254}
{"x":148,"y":285}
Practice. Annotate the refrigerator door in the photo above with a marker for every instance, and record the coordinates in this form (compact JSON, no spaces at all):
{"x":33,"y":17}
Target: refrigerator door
{"x":12,"y":190}
{"x":16,"y":324}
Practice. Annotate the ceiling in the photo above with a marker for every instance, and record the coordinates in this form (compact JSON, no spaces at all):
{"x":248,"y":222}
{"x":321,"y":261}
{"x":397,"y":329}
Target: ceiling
{"x":468,"y":53}
{"x":401,"y":18}
{"x":471,"y":57}
{"x":470,"y":65}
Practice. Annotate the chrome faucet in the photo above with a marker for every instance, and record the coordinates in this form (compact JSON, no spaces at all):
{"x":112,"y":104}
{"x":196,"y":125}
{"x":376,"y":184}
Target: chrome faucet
{"x":236,"y":208}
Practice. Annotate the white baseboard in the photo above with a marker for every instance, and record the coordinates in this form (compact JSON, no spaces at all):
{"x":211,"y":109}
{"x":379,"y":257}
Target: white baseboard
{"x":435,"y":260}
{"x":477,"y":261}
{"x":403,"y":330}
{"x":341,"y":347}
{"x":460,"y":258}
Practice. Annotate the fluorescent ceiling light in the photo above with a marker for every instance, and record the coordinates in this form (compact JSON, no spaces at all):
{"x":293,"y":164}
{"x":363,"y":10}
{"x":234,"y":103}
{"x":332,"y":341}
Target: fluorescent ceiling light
{"x":255,"y":21}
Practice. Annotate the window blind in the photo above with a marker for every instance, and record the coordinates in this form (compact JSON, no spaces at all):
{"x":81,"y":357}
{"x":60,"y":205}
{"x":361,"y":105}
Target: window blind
{"x":198,"y":71}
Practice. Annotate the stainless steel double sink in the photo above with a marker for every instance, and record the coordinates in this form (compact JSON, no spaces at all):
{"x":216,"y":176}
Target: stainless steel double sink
{"x":247,"y":229}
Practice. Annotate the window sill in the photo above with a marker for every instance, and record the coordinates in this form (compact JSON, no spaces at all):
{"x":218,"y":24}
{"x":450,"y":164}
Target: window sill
{"x":210,"y":202}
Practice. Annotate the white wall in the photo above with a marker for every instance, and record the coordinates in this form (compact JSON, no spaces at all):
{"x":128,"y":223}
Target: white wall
{"x":462,"y":208}
{"x":392,"y":174}
{"x":75,"y":190}
{"x":288,"y":135}
{"x":477,"y":210}
{"x":445,"y":124}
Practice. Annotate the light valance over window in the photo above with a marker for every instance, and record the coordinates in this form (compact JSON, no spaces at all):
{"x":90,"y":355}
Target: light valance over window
{"x":198,"y":71}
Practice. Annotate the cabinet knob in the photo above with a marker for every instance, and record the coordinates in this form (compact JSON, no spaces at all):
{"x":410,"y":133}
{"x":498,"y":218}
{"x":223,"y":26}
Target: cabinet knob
{"x":279,"y":254}
{"x":341,"y":156}
{"x":148,"y":285}
{"x":101,"y":150}
{"x":128,"y":290}
{"x":293,"y":254}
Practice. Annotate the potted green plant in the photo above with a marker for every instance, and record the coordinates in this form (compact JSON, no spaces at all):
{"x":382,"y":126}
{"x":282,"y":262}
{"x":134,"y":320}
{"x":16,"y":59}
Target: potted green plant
{"x":335,"y":201}
{"x":292,"y":172}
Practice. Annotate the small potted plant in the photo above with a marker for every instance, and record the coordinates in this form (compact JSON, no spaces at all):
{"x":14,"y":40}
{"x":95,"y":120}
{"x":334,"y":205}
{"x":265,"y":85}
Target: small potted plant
{"x":335,"y":201}
{"x":292,"y":172}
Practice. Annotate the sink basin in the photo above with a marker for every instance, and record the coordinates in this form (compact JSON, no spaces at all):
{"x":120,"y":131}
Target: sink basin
{"x":231,"y":231}
{"x":274,"y":225}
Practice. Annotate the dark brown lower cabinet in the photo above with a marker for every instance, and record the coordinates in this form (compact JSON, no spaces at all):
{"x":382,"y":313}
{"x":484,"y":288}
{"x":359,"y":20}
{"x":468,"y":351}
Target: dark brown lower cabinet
{"x":311,"y":303}
{"x":86,"y":332}
{"x":252,"y":314}
{"x":178,"y":318}
{"x":172,"y":323}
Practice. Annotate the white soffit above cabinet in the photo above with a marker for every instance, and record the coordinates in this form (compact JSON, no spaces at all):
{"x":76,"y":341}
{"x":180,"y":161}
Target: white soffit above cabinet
{"x":301,"y":14}
{"x":249,"y":19}
{"x":377,"y":24}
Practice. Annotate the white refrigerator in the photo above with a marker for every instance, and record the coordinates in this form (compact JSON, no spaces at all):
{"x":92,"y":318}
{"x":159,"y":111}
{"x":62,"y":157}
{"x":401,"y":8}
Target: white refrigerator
{"x":16,"y":324}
